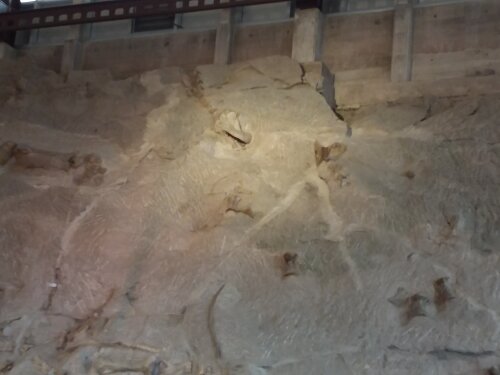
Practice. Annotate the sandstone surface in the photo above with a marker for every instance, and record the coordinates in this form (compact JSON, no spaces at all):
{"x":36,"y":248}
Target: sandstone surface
{"x":226,"y":221}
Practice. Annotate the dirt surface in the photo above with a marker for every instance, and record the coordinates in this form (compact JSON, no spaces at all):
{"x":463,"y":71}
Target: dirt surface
{"x":226,"y":221}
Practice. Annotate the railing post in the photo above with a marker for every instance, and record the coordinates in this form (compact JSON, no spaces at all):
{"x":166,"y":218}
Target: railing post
{"x":402,"y":42}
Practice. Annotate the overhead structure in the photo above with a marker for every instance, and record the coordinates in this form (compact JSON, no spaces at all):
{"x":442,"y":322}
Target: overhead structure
{"x":115,"y":10}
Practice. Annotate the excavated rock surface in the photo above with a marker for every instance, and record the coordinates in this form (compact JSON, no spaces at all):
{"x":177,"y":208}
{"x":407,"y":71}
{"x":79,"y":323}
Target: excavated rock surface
{"x":225,"y":221}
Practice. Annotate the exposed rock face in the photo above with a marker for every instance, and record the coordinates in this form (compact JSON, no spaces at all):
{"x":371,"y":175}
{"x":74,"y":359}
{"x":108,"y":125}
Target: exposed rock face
{"x":225,"y":221}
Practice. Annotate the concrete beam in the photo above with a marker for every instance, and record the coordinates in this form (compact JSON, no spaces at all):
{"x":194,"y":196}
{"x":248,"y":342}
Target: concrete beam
{"x":81,"y":32}
{"x":307,"y":34}
{"x":402,"y":42}
{"x":72,"y":56}
{"x":224,"y":38}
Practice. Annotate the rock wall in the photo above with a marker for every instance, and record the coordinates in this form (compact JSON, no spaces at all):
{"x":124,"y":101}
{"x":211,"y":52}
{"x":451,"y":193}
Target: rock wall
{"x":226,"y":221}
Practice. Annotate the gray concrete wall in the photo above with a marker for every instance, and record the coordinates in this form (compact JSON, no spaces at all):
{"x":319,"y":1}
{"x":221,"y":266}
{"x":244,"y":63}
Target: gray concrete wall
{"x":253,"y":41}
{"x":200,"y":20}
{"x":358,"y":46}
{"x":449,"y":41}
{"x":111,"y":30}
{"x":50,"y":35}
{"x":48,"y":57}
{"x":457,"y":40}
{"x":264,"y":13}
{"x":135,"y":54}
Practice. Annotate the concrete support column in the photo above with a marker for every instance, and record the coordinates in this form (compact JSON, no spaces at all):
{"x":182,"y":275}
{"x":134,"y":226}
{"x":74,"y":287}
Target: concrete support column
{"x":475,"y":64}
{"x":472,"y":24}
{"x":6,"y":51}
{"x":81,"y":32}
{"x":71,"y":56}
{"x":402,"y":42}
{"x":307,"y":35}
{"x":224,"y":38}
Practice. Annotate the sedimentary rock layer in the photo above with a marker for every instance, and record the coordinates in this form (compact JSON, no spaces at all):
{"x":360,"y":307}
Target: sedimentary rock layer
{"x":226,"y":221}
